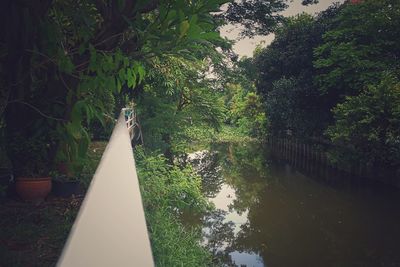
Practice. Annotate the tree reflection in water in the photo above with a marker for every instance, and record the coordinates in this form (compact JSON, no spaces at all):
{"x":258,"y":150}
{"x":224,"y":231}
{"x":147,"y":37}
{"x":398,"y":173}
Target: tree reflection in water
{"x":207,"y":166}
{"x":219,"y":235}
{"x":231,"y":165}
{"x":269,"y":213}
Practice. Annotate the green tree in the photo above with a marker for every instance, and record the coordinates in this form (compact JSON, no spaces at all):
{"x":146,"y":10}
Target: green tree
{"x":364,"y":43}
{"x":244,"y":106}
{"x":247,"y":112}
{"x":61,"y":59}
{"x":367,"y":127}
{"x":285,"y":76}
{"x":257,"y":16}
{"x":177,"y":96}
{"x":353,"y":62}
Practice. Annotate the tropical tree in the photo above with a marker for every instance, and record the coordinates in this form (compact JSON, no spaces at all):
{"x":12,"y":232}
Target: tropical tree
{"x":364,"y":43}
{"x":61,"y":59}
{"x":367,"y":127}
{"x":176,"y":96}
{"x":285,"y":76}
{"x":353,"y":64}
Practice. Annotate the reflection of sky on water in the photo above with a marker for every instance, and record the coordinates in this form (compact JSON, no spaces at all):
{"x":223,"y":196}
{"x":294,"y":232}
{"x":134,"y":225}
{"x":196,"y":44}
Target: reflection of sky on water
{"x":223,"y":200}
{"x":246,"y":259}
{"x":294,"y":216}
{"x":224,"y":197}
{"x":237,"y":219}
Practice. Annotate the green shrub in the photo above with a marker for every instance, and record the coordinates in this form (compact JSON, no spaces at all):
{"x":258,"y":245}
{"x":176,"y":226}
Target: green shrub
{"x":367,"y":126}
{"x":168,"y":191}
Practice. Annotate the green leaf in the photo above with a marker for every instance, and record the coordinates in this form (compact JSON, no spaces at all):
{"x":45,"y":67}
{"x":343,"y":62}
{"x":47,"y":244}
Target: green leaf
{"x":122,"y":74}
{"x":194,"y":32}
{"x":126,"y":62}
{"x":76,"y":113}
{"x":142,"y":73}
{"x":183,"y":28}
{"x":131,"y":77}
{"x":89,"y":113}
{"x":110,"y":84}
{"x":211,"y":36}
{"x":100,"y":117}
{"x":193,"y":20}
{"x":74,"y":129}
{"x":119,"y":85}
{"x":83,"y":144}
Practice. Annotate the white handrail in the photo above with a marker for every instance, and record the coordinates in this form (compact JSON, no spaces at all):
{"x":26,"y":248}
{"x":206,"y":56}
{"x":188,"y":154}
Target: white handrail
{"x":130,"y":120}
{"x":110,"y":229}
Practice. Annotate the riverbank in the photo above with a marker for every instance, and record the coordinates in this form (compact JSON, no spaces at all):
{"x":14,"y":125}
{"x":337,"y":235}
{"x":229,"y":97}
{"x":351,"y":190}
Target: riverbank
{"x":320,"y":155}
{"x":168,"y":192}
{"x":200,"y":139}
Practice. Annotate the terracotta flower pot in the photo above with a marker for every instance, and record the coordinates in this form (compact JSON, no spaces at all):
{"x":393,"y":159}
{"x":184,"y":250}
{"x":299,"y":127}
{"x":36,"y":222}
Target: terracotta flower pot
{"x":33,"y":189}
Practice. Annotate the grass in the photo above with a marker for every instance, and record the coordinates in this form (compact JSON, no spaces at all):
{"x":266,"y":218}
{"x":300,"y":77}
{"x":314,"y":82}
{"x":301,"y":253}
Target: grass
{"x":167,"y":191}
{"x":201,"y":137}
{"x":34,"y":235}
{"x":229,"y":134}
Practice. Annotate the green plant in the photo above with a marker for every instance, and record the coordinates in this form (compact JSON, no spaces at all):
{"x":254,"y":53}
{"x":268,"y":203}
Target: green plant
{"x":168,"y":191}
{"x":367,"y":127}
{"x":69,"y":59}
{"x":33,"y":156}
{"x":166,"y":232}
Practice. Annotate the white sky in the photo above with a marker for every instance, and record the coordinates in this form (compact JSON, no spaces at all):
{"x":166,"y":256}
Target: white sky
{"x":246,"y":46}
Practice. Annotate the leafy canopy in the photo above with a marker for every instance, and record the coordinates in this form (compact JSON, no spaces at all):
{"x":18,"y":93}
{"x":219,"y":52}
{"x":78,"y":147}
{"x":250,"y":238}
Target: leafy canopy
{"x":367,"y":126}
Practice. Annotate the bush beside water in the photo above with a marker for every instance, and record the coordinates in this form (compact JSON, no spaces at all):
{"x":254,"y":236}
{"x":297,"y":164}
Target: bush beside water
{"x":167,"y":192}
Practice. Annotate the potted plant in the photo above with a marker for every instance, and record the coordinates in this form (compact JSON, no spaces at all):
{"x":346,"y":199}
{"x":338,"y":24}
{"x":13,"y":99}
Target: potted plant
{"x":32,"y":182}
{"x":65,"y":186}
{"x":70,"y":162}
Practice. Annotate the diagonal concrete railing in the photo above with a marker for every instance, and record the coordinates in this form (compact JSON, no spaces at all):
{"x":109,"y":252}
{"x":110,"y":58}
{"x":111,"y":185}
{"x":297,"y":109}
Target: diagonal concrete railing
{"x":110,"y":229}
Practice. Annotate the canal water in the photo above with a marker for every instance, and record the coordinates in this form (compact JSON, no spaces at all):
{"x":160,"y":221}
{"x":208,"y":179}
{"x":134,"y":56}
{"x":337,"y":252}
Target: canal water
{"x":269,"y":213}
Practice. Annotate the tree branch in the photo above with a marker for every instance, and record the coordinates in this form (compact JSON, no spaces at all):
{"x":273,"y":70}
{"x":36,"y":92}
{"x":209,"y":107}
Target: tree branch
{"x":35,"y":109}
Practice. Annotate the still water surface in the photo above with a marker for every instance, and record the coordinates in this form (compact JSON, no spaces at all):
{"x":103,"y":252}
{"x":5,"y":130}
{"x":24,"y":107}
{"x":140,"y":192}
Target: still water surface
{"x":272,"y":214}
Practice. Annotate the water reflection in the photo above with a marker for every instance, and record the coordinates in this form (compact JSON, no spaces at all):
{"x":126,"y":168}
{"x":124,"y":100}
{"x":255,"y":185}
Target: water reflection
{"x":207,"y":165}
{"x":271,"y":214}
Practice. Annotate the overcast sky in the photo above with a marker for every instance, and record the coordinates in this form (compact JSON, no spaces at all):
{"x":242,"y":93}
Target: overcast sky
{"x":246,"y":46}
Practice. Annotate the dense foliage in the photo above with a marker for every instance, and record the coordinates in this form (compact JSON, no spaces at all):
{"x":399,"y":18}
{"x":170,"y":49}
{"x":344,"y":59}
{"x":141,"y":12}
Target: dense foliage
{"x":177,"y":96}
{"x":335,"y":76}
{"x":65,"y":61}
{"x":67,"y":67}
{"x":360,"y":48}
{"x":285,"y":81}
{"x":167,"y":192}
{"x":65,"y":64}
{"x":367,"y":126}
